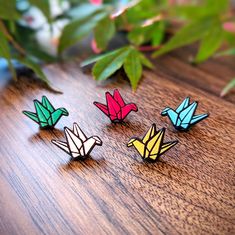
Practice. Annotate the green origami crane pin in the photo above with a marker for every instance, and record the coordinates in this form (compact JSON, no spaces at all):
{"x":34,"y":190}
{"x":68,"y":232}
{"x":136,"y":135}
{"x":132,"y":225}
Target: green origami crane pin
{"x":46,"y":115}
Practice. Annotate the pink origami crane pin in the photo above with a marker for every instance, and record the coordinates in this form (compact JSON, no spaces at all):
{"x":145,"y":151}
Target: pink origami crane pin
{"x":116,"y":109}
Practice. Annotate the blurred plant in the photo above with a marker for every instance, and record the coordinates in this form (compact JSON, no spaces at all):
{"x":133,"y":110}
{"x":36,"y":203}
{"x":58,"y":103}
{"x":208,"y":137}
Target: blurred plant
{"x":229,"y":27}
{"x":33,"y":31}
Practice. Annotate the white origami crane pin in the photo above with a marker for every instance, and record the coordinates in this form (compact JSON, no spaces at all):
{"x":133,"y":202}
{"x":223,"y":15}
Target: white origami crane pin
{"x":77,"y":144}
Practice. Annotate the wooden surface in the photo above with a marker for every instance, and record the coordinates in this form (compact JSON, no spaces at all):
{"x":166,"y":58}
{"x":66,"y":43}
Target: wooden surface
{"x":191,"y":190}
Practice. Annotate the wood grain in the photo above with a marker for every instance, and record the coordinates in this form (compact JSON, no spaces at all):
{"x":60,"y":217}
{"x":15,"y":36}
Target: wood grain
{"x":189,"y":191}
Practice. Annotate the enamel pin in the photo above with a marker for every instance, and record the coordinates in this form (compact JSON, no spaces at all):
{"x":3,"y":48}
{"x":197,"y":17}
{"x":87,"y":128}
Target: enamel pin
{"x":116,"y":109}
{"x":151,"y":146}
{"x":183,"y":117}
{"x":46,"y":115}
{"x":77,"y":145}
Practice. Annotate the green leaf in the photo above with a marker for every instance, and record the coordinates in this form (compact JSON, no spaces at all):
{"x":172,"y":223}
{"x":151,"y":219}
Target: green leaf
{"x":189,"y":11}
{"x":104,"y":31}
{"x":230,"y":38}
{"x":210,"y":43}
{"x":153,"y":32}
{"x":95,"y":58}
{"x":78,"y":29}
{"x":140,"y":35}
{"x":158,"y":33}
{"x":190,"y":33}
{"x":228,"y":87}
{"x":35,"y":67}
{"x":133,"y":68}
{"x":217,"y":7}
{"x":228,"y":52}
{"x":44,"y":6}
{"x":106,"y":66}
{"x":144,"y":61}
{"x":5,"y":53}
{"x":128,"y":57}
{"x":143,"y":10}
{"x":197,"y":11}
{"x":83,"y":11}
{"x":31,"y":64}
{"x":41,"y":56}
{"x":8,"y":10}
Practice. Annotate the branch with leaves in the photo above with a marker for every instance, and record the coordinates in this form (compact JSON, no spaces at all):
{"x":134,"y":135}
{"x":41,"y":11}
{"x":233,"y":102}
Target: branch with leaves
{"x":158,"y":26}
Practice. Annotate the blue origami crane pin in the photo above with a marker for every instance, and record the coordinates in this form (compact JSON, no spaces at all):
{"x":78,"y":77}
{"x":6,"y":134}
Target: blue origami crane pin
{"x":183,"y":117}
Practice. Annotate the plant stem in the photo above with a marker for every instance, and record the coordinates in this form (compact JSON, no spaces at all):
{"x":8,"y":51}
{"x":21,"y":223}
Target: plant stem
{"x":11,"y":39}
{"x":149,"y":48}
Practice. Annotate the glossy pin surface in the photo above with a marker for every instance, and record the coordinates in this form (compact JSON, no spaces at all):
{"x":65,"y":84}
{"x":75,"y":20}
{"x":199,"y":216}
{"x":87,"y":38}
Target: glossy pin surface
{"x":46,"y":115}
{"x":77,"y":145}
{"x":183,"y":117}
{"x":151,"y":146}
{"x":116,"y":109}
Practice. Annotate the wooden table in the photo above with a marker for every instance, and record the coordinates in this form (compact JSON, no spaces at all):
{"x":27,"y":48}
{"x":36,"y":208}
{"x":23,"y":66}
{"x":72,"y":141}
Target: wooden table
{"x":191,"y":190}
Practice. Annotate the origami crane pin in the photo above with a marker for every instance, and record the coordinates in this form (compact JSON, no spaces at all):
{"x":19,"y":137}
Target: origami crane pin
{"x":77,"y":144}
{"x":46,"y":115}
{"x":183,"y":117}
{"x":151,"y":147}
{"x":116,"y":109}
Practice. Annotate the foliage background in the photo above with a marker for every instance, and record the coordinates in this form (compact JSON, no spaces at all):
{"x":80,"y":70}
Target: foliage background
{"x":33,"y":32}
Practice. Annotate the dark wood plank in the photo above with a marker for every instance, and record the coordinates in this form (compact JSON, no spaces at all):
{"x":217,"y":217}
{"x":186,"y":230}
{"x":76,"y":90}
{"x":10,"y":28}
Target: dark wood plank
{"x":190,"y":191}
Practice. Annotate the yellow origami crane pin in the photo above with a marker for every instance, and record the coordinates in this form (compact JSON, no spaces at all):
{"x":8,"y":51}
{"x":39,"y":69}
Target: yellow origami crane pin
{"x":151,"y":147}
